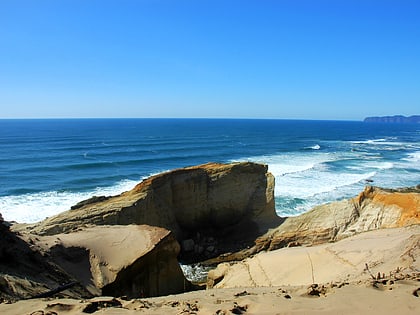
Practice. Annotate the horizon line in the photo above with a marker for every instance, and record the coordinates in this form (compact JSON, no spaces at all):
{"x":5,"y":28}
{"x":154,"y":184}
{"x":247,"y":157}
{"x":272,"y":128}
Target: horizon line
{"x":175,"y":118}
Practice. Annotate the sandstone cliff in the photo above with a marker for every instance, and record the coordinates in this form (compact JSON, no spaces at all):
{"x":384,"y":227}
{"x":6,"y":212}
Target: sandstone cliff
{"x":133,"y":260}
{"x":374,"y":208}
{"x":231,"y":204}
{"x":126,"y":244}
{"x":25,"y":272}
{"x":382,"y":256}
{"x":350,"y":255}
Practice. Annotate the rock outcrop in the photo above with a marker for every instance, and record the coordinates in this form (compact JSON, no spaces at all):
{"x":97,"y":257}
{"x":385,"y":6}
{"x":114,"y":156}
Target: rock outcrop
{"x":127,"y":245}
{"x":381,"y":256}
{"x":132,"y":260}
{"x":374,"y":208}
{"x":25,"y":272}
{"x":229,"y":203}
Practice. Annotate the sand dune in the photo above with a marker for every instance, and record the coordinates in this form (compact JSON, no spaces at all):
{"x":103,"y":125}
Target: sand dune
{"x":282,"y":282}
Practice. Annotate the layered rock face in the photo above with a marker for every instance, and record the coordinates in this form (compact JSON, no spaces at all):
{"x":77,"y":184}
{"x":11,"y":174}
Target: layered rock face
{"x":218,"y":200}
{"x":384,"y":254}
{"x":207,"y":196}
{"x":25,"y":272}
{"x":133,"y":260}
{"x":391,"y":218}
{"x":127,"y":244}
{"x":373,"y":209}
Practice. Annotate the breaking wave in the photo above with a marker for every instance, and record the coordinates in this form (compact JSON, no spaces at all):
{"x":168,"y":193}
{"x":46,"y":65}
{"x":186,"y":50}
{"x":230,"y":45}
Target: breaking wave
{"x":34,"y":207}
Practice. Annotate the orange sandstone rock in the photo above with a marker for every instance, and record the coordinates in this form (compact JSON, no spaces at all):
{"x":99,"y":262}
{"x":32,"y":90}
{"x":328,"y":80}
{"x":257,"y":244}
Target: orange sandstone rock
{"x":373,"y":209}
{"x":408,"y":204}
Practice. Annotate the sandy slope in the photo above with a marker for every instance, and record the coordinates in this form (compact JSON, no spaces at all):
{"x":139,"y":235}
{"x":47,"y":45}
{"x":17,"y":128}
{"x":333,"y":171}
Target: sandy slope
{"x":362,"y":298}
{"x":383,"y":251}
{"x":279,"y":282}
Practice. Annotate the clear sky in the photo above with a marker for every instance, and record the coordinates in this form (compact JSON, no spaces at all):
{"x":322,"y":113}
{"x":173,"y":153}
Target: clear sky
{"x":197,"y":58}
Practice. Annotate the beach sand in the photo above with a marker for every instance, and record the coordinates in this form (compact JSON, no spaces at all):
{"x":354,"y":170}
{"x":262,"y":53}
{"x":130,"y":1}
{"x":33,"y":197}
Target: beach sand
{"x":336,"y":283}
{"x":397,"y":298}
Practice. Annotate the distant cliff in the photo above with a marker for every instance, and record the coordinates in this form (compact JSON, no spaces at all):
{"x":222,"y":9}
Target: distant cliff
{"x":394,"y":119}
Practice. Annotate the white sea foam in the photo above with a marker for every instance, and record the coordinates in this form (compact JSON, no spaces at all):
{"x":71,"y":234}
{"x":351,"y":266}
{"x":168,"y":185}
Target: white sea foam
{"x":306,"y":180}
{"x":314,"y":147}
{"x":371,"y":164}
{"x":413,"y":157}
{"x":375,"y":141}
{"x":318,"y":182}
{"x":370,"y":141}
{"x":284,"y":164}
{"x":195,"y":272}
{"x":29,"y":208}
{"x":303,"y":176}
{"x":386,"y":144}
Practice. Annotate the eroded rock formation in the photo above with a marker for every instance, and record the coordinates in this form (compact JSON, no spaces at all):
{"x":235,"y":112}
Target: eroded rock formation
{"x":373,"y":209}
{"x":381,"y":255}
{"x":25,"y":272}
{"x":229,"y":203}
{"x":349,"y":256}
{"x":132,"y":260}
{"x":127,"y":244}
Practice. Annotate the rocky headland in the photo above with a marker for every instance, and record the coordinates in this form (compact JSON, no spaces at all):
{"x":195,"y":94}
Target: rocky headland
{"x":209,"y":209}
{"x":397,"y":119}
{"x":223,"y":216}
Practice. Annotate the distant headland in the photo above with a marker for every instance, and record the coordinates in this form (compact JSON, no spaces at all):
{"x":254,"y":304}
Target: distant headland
{"x":399,"y":119}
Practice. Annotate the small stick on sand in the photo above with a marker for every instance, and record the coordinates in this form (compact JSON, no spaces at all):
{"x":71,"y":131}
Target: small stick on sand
{"x":367,"y":269}
{"x":54,"y":291}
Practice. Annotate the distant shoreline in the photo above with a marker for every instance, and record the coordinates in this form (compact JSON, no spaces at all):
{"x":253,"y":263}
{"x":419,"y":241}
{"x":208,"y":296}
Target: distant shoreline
{"x":397,"y":119}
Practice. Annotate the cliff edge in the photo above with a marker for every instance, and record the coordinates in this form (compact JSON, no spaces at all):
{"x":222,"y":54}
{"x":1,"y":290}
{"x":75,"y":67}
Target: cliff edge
{"x":129,"y":245}
{"x":374,"y":208}
{"x":211,"y":208}
{"x":398,"y":119}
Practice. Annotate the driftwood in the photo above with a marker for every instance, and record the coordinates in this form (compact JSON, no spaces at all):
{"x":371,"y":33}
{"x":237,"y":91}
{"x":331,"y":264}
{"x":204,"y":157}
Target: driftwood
{"x":54,"y":291}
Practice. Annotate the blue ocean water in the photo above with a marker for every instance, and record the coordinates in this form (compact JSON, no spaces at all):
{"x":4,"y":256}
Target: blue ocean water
{"x":46,"y":166}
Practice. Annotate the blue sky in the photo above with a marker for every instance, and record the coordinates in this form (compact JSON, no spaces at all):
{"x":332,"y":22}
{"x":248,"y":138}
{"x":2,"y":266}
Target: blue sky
{"x":191,"y":58}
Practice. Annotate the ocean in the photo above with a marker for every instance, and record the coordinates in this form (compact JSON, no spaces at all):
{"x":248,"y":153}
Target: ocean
{"x":46,"y":166}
